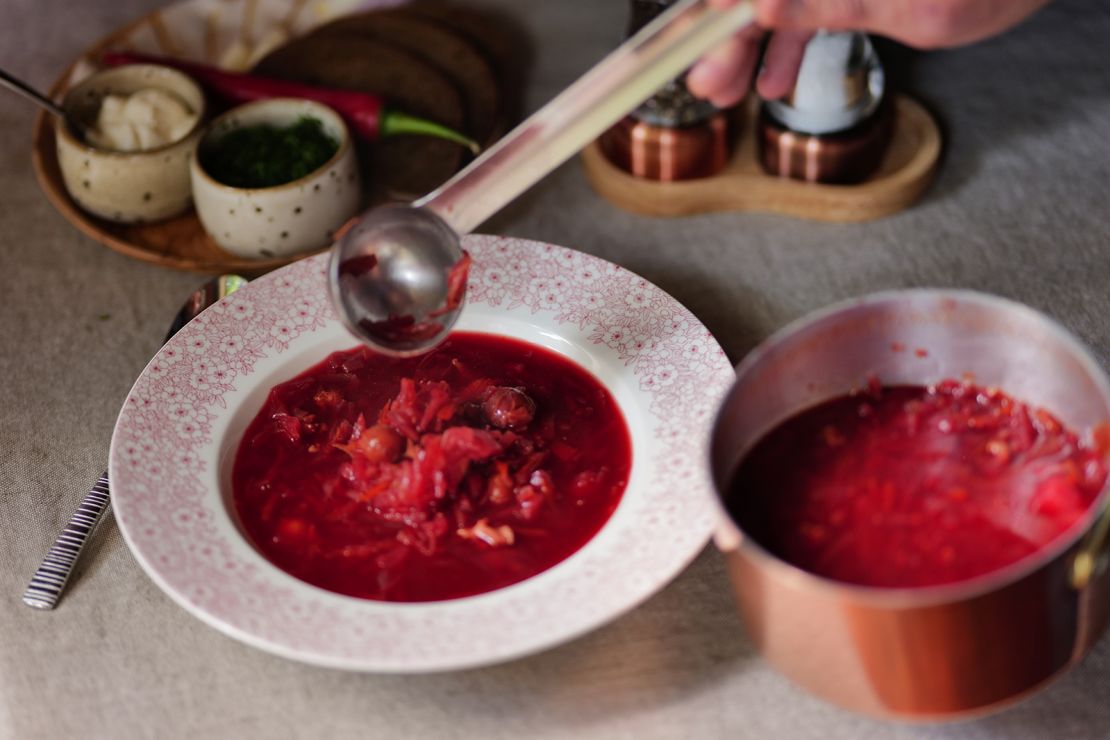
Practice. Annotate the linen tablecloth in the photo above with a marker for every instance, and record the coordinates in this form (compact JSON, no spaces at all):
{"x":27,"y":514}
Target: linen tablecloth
{"x":1020,"y":208}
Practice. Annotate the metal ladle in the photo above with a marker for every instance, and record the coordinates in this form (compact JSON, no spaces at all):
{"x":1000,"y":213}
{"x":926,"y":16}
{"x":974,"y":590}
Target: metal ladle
{"x":390,"y":275}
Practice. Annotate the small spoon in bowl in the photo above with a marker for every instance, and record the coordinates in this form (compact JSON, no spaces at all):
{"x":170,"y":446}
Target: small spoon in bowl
{"x":20,"y":87}
{"x":397,"y":276}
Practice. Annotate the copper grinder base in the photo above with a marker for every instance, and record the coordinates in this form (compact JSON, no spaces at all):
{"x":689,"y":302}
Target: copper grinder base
{"x":844,"y":158}
{"x":668,"y":154}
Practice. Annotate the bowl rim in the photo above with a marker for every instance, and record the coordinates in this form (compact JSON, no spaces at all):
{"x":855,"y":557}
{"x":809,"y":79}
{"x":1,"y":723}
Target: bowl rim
{"x":202,"y":176}
{"x":63,"y":131}
{"x":732,"y":539}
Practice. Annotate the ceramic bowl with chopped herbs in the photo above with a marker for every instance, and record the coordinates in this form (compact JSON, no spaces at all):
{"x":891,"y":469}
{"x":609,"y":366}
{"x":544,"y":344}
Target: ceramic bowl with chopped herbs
{"x":275,"y":177}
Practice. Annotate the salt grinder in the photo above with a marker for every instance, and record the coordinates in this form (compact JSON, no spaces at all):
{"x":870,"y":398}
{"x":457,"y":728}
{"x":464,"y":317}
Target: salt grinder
{"x":835,"y":125}
{"x":673,"y":135}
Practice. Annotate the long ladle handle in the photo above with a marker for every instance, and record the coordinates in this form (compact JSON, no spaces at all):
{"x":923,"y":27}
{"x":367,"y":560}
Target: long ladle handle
{"x":19,"y":86}
{"x":659,"y":52}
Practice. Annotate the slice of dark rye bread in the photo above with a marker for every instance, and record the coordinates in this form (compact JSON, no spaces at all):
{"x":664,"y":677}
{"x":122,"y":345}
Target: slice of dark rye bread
{"x":500,"y":38}
{"x":400,"y":167}
{"x":451,"y":54}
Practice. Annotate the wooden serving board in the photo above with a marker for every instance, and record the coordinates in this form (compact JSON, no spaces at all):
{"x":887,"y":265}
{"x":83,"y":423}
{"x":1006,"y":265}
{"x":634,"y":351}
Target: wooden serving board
{"x":202,"y":30}
{"x":905,"y":173}
{"x":237,"y":33}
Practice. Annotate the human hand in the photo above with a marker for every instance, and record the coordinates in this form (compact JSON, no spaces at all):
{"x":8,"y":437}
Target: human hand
{"x":724,"y":75}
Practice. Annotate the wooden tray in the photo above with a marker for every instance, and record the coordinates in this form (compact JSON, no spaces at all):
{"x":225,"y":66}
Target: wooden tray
{"x":905,"y":173}
{"x":226,"y":32}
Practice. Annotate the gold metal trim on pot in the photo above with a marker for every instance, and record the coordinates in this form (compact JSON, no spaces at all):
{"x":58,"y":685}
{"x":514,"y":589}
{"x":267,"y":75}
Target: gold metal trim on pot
{"x":939,"y":652}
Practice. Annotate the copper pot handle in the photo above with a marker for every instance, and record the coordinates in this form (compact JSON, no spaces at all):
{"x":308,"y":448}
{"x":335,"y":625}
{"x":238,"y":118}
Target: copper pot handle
{"x":1093,"y":554}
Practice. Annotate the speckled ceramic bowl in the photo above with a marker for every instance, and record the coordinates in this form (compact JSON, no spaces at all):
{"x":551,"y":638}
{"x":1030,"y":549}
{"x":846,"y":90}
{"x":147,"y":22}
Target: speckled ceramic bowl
{"x":128,"y":187}
{"x":284,"y":219}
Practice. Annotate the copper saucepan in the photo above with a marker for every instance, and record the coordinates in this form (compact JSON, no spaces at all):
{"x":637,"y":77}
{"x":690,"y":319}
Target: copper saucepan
{"x":942,"y":651}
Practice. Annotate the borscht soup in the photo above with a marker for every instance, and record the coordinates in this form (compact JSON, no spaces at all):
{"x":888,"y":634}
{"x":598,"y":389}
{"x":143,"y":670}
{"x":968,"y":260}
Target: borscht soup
{"x":911,"y":486}
{"x":467,"y":469}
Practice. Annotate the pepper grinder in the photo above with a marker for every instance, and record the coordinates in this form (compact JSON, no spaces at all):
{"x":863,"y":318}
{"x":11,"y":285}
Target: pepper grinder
{"x":672,"y":135}
{"x":836,"y":124}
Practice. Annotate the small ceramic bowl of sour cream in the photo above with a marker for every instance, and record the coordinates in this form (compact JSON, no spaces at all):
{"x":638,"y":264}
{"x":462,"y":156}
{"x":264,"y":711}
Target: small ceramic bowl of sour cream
{"x":124,"y":152}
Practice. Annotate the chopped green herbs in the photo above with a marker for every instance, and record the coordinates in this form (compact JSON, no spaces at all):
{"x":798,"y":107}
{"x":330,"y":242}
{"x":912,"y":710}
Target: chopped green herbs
{"x":263,"y":156}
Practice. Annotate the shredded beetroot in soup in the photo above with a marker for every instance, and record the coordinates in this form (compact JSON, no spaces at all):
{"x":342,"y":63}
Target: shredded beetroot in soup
{"x":461,"y":471}
{"x":909,"y":486}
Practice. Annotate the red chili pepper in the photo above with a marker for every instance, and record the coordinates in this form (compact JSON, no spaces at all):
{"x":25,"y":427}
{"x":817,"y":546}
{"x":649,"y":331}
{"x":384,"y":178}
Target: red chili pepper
{"x":367,"y":114}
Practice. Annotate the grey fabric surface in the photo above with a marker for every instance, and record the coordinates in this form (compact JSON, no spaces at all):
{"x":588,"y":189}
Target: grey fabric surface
{"x":1019,"y":209}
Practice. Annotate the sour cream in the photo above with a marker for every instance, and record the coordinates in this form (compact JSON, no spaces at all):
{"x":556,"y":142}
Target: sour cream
{"x":146,"y":119}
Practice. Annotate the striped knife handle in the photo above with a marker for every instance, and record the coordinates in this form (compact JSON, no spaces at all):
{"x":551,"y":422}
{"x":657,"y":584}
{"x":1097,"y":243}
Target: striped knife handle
{"x":49,"y":580}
